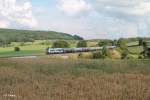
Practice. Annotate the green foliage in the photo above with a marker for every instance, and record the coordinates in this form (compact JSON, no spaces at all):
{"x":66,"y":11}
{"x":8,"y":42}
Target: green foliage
{"x":141,"y":57}
{"x":141,"y":41}
{"x":4,"y":42}
{"x":122,"y":44}
{"x":105,"y":43}
{"x":12,"y":35}
{"x":82,"y":44}
{"x":114,"y":43}
{"x":145,"y":45}
{"x":105,"y":52}
{"x":97,"y":55}
{"x":76,"y":37}
{"x":124,"y":54}
{"x":60,"y":44}
{"x":16,"y":49}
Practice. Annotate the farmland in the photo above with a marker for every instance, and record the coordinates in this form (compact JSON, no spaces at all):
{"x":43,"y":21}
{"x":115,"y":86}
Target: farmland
{"x":44,"y":78}
{"x":122,"y":73}
{"x":25,"y":51}
{"x":38,"y":47}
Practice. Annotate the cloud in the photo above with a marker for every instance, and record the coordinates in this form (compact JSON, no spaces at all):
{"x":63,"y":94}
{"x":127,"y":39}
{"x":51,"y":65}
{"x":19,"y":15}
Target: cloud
{"x":107,"y":18}
{"x":73,"y":7}
{"x":17,"y":12}
{"x":124,"y":8}
{"x":4,"y":24}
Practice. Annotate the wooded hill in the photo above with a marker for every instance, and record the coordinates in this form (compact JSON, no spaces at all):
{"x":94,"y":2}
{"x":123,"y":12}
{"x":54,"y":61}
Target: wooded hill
{"x":14,"y":35}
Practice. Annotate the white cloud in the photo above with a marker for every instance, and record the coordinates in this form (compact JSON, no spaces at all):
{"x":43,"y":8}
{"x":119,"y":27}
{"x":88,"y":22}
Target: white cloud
{"x":14,"y":11}
{"x":126,"y":7}
{"x":4,"y":24}
{"x":73,"y":7}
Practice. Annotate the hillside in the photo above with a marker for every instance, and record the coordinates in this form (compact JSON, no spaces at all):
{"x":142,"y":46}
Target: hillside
{"x":14,"y":35}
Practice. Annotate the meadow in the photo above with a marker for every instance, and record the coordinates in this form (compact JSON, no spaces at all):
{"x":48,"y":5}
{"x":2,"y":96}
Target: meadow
{"x":44,"y":78}
{"x":38,"y":47}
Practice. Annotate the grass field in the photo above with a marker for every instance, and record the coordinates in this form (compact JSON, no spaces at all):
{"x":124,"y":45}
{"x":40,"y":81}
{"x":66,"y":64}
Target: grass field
{"x":38,"y":47}
{"x":136,"y":49}
{"x":25,"y":50}
{"x":52,"y":79}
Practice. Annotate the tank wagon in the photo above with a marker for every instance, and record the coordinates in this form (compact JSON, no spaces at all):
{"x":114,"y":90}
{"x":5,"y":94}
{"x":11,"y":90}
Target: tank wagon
{"x":74,"y":50}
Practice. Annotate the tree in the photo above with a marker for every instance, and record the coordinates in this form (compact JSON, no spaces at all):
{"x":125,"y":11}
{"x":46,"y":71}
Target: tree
{"x":145,"y":49}
{"x":122,"y":44}
{"x":97,"y":55}
{"x":105,"y":52}
{"x":4,"y":42}
{"x":114,"y":43}
{"x":141,"y":41}
{"x":105,"y":43}
{"x":144,"y":45}
{"x":16,"y":49}
{"x":82,"y":44}
{"x":124,"y":54}
{"x":60,"y":44}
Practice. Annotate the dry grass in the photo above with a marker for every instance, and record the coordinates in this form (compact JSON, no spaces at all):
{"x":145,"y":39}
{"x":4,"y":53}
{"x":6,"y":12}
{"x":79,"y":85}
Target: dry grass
{"x":47,"y":79}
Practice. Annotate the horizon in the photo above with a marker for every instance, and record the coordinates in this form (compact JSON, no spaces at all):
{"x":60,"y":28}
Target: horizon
{"x":98,"y":19}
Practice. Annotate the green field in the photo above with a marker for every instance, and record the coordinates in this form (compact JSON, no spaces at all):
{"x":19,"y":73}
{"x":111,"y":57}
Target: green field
{"x":25,"y":50}
{"x":39,"y":46}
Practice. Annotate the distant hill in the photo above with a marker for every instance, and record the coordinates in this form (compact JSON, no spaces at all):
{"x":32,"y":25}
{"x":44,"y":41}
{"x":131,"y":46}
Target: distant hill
{"x":14,"y":35}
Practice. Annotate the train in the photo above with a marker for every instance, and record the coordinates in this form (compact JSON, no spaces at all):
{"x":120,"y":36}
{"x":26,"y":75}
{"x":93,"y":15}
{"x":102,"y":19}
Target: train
{"x":74,"y":50}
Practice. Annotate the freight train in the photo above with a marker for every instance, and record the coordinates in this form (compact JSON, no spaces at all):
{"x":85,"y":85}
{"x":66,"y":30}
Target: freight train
{"x":74,"y":50}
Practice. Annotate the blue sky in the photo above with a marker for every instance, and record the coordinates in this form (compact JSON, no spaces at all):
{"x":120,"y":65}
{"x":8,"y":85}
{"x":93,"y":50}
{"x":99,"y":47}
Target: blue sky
{"x":91,"y":19}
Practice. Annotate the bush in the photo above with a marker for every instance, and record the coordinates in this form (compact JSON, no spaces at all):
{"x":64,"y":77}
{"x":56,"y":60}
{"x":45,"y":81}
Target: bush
{"x":16,"y":49}
{"x":82,"y":44}
{"x":97,"y":55}
{"x":122,"y":44}
{"x":141,"y":42}
{"x":125,"y":54}
{"x":60,"y":44}
{"x":105,"y":52}
{"x":141,"y":57}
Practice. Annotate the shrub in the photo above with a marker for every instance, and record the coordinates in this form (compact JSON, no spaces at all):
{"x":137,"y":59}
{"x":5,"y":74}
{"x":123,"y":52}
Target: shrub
{"x":16,"y":49}
{"x":105,"y":52}
{"x":125,"y":54}
{"x":141,"y":42}
{"x":82,"y":44}
{"x":60,"y":44}
{"x":141,"y":57}
{"x":122,"y":44}
{"x":97,"y":55}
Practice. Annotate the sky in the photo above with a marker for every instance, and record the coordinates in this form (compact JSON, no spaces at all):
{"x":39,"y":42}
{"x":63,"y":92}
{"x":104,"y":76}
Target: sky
{"x":91,"y":19}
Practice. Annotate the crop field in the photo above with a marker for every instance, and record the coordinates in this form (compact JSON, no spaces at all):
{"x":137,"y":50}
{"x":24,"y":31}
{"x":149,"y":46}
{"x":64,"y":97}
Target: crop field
{"x":44,"y":78}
